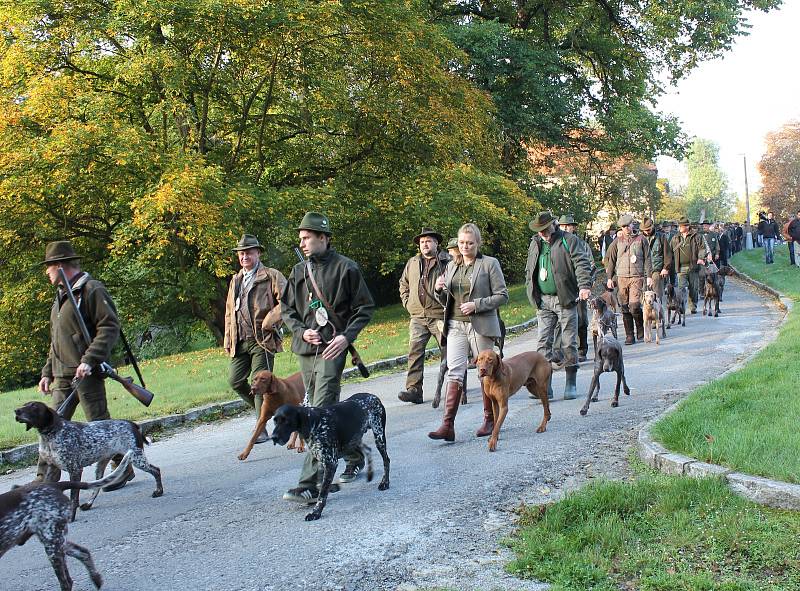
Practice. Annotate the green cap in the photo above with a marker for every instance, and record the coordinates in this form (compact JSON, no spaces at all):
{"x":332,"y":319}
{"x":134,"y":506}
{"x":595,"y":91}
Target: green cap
{"x":57,"y":252}
{"x":452,"y":243}
{"x":567,"y":220}
{"x":316,"y":222}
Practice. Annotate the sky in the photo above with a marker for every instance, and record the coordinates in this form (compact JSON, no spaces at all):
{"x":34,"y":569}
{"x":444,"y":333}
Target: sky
{"x":737,"y":99}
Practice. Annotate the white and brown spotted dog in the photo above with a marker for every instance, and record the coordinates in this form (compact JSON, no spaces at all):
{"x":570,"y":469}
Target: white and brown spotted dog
{"x":40,"y":509}
{"x":71,"y":446}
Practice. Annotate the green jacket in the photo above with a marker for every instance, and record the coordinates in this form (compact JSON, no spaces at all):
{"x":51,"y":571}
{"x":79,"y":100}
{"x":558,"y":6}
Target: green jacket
{"x":686,"y":252}
{"x":569,"y":263}
{"x":343,"y":286}
{"x":68,"y":348}
{"x":409,"y":287}
{"x":660,"y":252}
{"x":711,"y":242}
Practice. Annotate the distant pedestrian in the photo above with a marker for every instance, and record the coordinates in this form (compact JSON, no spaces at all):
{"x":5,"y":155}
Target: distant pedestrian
{"x":417,"y":294}
{"x":557,"y":276}
{"x":471,"y":291}
{"x":794,"y":239}
{"x":660,"y":257}
{"x":768,"y":228}
{"x":252,"y":320}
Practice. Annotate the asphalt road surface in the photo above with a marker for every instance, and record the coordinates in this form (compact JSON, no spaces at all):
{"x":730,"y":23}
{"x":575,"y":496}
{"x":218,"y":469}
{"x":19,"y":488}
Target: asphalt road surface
{"x":222,"y":525}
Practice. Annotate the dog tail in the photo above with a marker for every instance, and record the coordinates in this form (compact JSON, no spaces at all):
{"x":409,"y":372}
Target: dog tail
{"x":112,"y":478}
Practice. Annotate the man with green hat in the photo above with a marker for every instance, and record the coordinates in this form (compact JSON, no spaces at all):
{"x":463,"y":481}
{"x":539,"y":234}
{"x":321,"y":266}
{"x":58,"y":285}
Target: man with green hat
{"x":566,"y":223}
{"x":557,"y":275}
{"x":688,"y":254}
{"x":252,"y":320}
{"x":325,"y":305}
{"x":70,"y":357}
{"x":628,"y":264}
{"x":417,"y":287}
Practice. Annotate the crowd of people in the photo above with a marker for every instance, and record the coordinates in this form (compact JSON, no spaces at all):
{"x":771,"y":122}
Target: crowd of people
{"x":452,"y":293}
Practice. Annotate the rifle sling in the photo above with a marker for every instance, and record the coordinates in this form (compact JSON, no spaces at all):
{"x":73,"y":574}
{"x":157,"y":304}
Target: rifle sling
{"x":333,"y":315}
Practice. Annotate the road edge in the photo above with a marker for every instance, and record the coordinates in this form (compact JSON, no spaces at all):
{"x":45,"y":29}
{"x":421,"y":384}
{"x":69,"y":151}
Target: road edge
{"x":764,"y":491}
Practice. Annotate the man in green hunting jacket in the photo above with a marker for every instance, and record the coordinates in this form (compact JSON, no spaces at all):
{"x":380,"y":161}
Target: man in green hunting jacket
{"x":321,"y":351}
{"x":70,"y":356}
{"x":557,"y":275}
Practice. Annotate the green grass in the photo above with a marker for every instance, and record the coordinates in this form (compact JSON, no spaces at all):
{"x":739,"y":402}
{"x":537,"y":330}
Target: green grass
{"x":184,"y":381}
{"x":748,"y":420}
{"x":658,"y":533}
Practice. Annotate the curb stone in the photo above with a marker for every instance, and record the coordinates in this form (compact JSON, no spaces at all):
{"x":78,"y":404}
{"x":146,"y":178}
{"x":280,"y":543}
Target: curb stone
{"x":30,"y":451}
{"x":764,"y":491}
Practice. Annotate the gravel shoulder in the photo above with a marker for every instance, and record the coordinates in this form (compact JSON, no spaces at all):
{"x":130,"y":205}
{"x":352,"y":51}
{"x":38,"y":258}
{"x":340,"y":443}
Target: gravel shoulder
{"x":222,"y":524}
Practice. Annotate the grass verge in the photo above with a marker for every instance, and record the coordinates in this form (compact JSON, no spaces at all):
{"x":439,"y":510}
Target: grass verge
{"x":748,"y":420}
{"x":658,"y":533}
{"x":185,"y":381}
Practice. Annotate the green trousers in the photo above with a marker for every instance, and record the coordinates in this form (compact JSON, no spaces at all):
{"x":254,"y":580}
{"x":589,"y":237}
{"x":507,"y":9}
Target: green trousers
{"x":249,"y":359}
{"x":323,"y":382}
{"x":690,"y":279}
{"x":92,"y":398}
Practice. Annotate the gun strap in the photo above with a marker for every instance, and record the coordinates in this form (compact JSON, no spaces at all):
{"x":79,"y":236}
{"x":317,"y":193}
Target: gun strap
{"x":132,"y":357}
{"x":333,"y":315}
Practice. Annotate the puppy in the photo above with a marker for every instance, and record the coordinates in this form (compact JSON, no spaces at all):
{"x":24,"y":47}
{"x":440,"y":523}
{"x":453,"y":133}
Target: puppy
{"x":676,"y":304}
{"x":711,"y":295}
{"x":603,"y":320}
{"x":653,"y":313}
{"x":40,"y":509}
{"x":331,"y":430}
{"x":608,"y":359}
{"x":503,"y":378}
{"x":71,"y":446}
{"x":276,"y":392}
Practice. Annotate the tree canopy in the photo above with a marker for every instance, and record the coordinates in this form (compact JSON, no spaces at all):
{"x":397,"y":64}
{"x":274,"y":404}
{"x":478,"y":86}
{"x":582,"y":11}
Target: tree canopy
{"x":780,"y":171}
{"x":153,"y":134}
{"x":707,"y":194}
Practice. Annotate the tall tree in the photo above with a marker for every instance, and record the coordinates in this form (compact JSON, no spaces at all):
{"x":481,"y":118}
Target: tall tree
{"x":780,"y":171}
{"x":707,"y":190}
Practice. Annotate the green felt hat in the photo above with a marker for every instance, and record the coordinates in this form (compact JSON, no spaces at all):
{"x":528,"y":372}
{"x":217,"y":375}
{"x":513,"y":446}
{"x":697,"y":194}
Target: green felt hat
{"x":316,"y":222}
{"x":248,"y":241}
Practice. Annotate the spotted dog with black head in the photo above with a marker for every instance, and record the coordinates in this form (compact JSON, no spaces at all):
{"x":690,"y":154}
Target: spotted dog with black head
{"x":331,"y":430}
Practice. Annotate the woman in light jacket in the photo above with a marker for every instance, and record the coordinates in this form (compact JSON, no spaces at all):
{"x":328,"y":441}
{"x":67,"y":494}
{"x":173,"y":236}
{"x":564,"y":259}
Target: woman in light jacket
{"x":471,"y":290}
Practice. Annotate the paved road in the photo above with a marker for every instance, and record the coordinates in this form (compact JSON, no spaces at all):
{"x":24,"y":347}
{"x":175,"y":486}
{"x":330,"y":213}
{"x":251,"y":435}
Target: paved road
{"x":222,"y":525}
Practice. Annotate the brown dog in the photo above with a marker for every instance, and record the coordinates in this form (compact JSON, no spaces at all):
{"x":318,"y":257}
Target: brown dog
{"x":503,"y":377}
{"x":276,"y":392}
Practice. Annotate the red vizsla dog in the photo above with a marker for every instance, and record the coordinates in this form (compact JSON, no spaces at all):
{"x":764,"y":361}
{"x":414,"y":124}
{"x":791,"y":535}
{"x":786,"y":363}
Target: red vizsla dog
{"x":503,"y":377}
{"x":276,"y":392}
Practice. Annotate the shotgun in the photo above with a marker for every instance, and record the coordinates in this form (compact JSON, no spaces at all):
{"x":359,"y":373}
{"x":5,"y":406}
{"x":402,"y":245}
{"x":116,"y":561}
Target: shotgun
{"x":350,"y":348}
{"x":141,"y":394}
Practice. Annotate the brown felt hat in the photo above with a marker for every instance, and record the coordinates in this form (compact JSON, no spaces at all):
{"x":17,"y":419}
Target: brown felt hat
{"x":428,"y":232}
{"x":647,"y":224}
{"x":248,"y":241}
{"x":542,"y":221}
{"x":684,"y":221}
{"x":59,"y":251}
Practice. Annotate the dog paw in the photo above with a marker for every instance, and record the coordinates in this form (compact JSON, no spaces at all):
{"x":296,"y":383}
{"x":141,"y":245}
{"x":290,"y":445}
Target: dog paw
{"x":158,"y":492}
{"x":384,"y":485}
{"x":541,"y":429}
{"x":335,"y":487}
{"x":86,"y":507}
{"x":584,"y":411}
{"x":242,"y":456}
{"x":614,"y":404}
{"x":595,"y":399}
{"x":313,"y":516}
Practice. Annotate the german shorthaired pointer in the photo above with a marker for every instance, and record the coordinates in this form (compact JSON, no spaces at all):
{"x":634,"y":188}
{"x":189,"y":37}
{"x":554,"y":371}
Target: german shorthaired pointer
{"x":40,"y":509}
{"x":72,"y":446}
{"x":330,"y":430}
{"x":607,"y":359}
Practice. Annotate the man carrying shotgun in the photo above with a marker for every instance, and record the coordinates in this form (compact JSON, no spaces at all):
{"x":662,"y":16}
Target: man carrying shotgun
{"x":325,"y":304}
{"x":70,"y":357}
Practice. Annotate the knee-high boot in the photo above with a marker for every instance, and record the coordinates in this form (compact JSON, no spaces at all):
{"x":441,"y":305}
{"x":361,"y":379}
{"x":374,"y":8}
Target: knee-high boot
{"x":627,"y":321}
{"x":638,"y":317}
{"x":488,"y":416}
{"x":446,"y":430}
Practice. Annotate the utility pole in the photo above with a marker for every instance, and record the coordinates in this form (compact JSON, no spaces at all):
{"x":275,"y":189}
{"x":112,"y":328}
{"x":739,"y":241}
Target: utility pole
{"x":748,"y":237}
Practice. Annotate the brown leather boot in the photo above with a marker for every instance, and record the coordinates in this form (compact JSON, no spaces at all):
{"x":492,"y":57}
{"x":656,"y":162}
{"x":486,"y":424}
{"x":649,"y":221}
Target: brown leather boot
{"x":488,"y":417}
{"x":452,"y":399}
